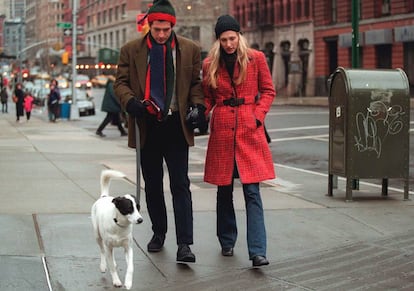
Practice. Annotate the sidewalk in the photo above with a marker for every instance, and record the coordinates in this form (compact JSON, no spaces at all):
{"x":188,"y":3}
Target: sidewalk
{"x":50,"y":178}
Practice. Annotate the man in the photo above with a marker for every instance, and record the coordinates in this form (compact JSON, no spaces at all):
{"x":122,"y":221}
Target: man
{"x":158,"y":78}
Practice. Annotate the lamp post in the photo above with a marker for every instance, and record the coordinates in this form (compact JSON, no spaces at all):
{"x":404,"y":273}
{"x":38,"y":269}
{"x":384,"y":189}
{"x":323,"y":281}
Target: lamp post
{"x":74,"y":112}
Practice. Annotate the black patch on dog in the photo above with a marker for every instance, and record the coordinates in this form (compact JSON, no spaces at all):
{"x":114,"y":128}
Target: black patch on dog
{"x":124,"y":205}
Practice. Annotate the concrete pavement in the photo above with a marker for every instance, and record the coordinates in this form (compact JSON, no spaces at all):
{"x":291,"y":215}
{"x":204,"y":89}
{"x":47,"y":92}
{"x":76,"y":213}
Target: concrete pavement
{"x":49,"y":177}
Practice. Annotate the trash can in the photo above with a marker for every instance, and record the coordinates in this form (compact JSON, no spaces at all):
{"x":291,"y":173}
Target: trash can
{"x":65,"y":110}
{"x":369,"y":123}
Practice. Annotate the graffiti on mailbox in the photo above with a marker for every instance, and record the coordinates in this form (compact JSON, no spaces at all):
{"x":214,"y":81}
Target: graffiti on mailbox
{"x":374,"y":126}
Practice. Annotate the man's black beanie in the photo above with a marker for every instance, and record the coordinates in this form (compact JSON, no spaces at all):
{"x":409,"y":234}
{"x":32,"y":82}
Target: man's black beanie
{"x":224,"y":23}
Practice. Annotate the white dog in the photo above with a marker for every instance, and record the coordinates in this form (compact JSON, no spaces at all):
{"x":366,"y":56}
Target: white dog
{"x":112,"y":220}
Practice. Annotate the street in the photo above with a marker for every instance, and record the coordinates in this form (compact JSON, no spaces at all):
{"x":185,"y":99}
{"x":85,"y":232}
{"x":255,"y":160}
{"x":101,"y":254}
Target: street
{"x":300,"y":138}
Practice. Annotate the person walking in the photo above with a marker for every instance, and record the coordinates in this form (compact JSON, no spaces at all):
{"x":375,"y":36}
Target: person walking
{"x":4,"y":96}
{"x":18,"y":98}
{"x":110,"y":105}
{"x":28,"y":104}
{"x":157,"y":80}
{"x":53,"y":101}
{"x":233,"y":76}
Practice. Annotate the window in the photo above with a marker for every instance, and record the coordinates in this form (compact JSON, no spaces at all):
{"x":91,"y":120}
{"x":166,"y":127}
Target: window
{"x":307,"y":8}
{"x":382,"y":8}
{"x":334,"y":11}
{"x":299,"y":9}
{"x":410,"y":5}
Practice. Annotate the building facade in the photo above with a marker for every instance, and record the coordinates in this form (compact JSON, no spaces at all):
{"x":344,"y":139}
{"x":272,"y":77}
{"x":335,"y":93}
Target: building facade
{"x":283,"y":30}
{"x":306,"y":40}
{"x":386,"y":37}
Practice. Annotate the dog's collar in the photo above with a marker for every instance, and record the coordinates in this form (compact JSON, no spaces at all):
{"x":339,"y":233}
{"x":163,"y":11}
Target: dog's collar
{"x":120,"y":225}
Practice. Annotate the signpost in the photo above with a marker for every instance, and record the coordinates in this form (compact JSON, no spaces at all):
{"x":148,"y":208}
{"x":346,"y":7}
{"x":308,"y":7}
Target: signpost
{"x":64,"y":25}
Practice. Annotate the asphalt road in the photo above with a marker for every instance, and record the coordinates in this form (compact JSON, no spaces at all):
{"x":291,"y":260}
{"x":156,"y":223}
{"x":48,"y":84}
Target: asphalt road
{"x":300,"y":137}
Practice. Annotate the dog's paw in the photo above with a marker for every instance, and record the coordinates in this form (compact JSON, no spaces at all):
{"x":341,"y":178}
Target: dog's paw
{"x":128,"y":285}
{"x":102,"y":267}
{"x":117,"y":283}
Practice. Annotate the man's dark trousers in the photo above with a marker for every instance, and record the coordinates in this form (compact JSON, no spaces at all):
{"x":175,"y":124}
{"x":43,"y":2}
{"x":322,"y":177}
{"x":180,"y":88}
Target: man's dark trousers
{"x":165,"y":141}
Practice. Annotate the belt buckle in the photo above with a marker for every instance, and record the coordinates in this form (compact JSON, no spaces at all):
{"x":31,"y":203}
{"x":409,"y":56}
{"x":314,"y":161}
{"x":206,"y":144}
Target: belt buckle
{"x":232,"y":102}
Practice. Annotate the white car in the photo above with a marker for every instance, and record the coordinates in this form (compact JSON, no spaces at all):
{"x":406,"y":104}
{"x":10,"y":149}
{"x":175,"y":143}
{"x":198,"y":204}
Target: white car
{"x":83,"y":82}
{"x":84,"y":102}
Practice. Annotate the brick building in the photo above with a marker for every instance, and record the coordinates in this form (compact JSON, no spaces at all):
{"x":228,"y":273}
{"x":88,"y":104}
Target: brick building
{"x":306,"y":40}
{"x":386,"y":37}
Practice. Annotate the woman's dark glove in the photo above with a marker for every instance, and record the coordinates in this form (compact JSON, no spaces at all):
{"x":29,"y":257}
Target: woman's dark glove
{"x":196,"y":118}
{"x":135,"y":108}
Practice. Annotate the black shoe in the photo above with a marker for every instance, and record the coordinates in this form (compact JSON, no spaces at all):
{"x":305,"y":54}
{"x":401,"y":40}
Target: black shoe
{"x":156,"y":243}
{"x":184,"y":254}
{"x":259,"y":261}
{"x":227,"y":252}
{"x":100,"y":133}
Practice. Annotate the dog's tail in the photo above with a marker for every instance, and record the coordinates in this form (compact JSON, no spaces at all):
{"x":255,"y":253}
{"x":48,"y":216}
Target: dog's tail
{"x":106,"y":177}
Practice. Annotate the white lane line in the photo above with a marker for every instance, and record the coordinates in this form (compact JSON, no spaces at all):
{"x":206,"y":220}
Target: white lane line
{"x":301,"y":137}
{"x":298,"y":113}
{"x":298,"y":128}
{"x":341,"y":178}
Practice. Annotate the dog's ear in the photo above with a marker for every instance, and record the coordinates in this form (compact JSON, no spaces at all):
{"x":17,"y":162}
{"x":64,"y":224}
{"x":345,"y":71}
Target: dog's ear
{"x":123,"y":204}
{"x":138,"y":207}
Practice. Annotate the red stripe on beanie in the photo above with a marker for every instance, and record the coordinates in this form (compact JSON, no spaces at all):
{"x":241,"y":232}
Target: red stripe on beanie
{"x":161,"y":16}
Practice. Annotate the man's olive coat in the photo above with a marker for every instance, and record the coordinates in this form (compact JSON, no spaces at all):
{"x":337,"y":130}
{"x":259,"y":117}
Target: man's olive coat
{"x":131,"y":75}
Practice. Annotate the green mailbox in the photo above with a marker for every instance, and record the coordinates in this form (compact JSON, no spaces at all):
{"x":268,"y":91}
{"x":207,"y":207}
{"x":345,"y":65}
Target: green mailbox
{"x":369,"y":123}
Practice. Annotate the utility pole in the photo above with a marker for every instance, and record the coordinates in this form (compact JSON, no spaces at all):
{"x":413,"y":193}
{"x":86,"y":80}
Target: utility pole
{"x":355,"y":53}
{"x":355,"y":34}
{"x":74,"y":113}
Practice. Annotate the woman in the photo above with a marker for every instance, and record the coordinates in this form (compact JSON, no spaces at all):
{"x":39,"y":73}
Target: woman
{"x":19,"y":99}
{"x":233,"y":76}
{"x":111,"y":106}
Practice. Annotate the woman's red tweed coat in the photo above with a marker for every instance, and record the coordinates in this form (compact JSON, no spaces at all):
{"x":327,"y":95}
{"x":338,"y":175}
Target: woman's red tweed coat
{"x":234,"y":135}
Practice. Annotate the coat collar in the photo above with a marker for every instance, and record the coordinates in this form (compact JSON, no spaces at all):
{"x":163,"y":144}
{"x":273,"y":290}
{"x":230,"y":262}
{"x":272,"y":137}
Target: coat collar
{"x":141,"y":60}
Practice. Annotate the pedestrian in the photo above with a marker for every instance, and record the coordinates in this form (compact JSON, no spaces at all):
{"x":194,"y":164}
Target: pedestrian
{"x":158,"y":99}
{"x":28,"y":104}
{"x":18,"y":98}
{"x":4,"y":96}
{"x":233,"y":75}
{"x":110,"y":105}
{"x":53,"y":101}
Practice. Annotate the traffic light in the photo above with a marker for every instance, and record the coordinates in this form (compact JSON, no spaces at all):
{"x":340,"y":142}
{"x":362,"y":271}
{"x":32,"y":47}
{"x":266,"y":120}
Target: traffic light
{"x":65,"y":58}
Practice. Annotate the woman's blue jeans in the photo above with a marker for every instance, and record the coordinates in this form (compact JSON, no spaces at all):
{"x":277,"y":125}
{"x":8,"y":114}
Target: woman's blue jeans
{"x":226,"y":219}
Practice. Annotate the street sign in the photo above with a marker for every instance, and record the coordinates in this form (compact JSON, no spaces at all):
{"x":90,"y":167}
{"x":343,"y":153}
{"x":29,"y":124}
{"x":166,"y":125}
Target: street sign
{"x":67,"y":32}
{"x":64,"y":25}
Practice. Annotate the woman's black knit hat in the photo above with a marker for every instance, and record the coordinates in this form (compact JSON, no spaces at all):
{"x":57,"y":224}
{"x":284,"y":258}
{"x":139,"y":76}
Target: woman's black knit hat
{"x":224,"y":23}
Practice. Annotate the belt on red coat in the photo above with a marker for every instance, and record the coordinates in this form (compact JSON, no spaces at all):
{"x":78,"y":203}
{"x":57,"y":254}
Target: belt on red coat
{"x":233,"y":102}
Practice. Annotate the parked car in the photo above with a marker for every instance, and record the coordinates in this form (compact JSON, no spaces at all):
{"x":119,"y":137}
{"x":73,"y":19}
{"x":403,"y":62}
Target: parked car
{"x":99,"y":81}
{"x":62,"y":82}
{"x":40,"y":96}
{"x":84,"y":102}
{"x":83,"y":82}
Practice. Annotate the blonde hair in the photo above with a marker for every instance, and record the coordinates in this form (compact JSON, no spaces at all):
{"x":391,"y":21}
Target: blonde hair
{"x":214,"y":60}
